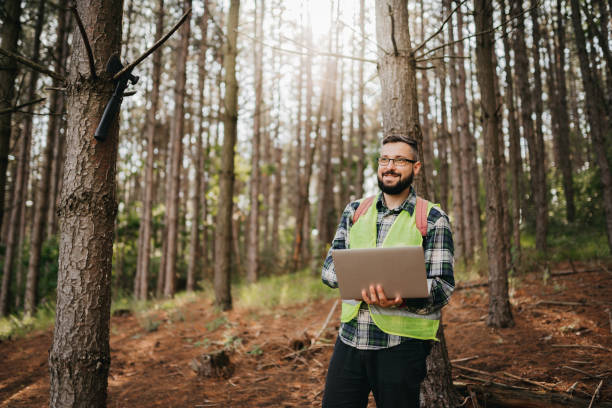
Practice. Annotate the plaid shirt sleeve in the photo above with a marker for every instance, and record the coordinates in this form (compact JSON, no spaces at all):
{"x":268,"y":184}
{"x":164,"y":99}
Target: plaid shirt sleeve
{"x":439,"y":262}
{"x":328,"y":273}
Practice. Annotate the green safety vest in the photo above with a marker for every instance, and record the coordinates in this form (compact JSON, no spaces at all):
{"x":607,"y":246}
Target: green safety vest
{"x":391,"y":320}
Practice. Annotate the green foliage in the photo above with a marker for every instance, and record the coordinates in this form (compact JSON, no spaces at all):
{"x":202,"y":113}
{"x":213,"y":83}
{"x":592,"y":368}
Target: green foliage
{"x":215,"y":324}
{"x":282,"y":290}
{"x":17,"y":325}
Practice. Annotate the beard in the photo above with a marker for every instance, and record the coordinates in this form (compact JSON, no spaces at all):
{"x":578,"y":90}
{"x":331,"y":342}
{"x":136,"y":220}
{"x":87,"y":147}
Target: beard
{"x":397,"y":188}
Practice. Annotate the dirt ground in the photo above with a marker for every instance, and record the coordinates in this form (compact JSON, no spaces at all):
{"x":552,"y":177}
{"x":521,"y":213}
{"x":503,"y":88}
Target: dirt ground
{"x":560,"y":345}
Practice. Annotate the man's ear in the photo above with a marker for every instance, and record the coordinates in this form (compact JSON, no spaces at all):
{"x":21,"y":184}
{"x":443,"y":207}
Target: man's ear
{"x":417,"y":167}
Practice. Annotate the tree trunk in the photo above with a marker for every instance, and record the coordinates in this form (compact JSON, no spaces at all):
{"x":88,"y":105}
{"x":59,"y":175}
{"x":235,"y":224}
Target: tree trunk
{"x":304,"y":183}
{"x":397,"y":72}
{"x":197,"y":254}
{"x":499,"y":304}
{"x":176,"y":157}
{"x":9,"y":36}
{"x":536,"y":164}
{"x":469,"y":177}
{"x":17,"y":207}
{"x":515,"y":140}
{"x":252,"y":271}
{"x":599,"y":125}
{"x":147,"y":205}
{"x":540,"y":170}
{"x":41,"y":203}
{"x":79,"y":359}
{"x":562,"y":139}
{"x":223,"y":230}
{"x":460,"y":223}
{"x":361,"y":134}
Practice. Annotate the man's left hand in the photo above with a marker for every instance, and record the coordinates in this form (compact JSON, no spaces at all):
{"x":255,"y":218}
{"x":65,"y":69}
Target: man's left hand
{"x":376,"y":296}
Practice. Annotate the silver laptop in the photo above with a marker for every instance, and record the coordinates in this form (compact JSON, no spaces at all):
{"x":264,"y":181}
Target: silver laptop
{"x":400,"y":271}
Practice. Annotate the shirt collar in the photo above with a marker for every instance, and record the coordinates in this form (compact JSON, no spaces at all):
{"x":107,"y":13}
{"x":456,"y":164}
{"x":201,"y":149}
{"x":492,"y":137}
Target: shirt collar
{"x":408,"y":205}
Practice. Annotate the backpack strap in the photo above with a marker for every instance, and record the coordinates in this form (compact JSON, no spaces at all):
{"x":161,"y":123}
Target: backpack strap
{"x":420,"y":210}
{"x":421,"y":215}
{"x":364,"y":205}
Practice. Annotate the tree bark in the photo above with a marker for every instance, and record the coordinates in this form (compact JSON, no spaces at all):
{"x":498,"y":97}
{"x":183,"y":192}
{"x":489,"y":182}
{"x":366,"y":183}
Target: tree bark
{"x":599,"y":125}
{"x":397,"y":72}
{"x":176,"y":157}
{"x":79,"y":359}
{"x":223,"y":230}
{"x":41,"y":203}
{"x":9,"y":36}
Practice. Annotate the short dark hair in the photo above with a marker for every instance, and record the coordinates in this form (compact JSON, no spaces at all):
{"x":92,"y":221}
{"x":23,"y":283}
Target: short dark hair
{"x":401,"y":138}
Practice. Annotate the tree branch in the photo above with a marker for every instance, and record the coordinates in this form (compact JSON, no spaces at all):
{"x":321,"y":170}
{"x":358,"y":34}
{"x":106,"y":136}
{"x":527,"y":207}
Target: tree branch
{"x":90,"y":56}
{"x":475,"y":34}
{"x":153,"y":48}
{"x":421,"y":45}
{"x":29,"y":63}
{"x":442,"y":57}
{"x":323,"y":54}
{"x":395,"y":52}
{"x":23,"y":105}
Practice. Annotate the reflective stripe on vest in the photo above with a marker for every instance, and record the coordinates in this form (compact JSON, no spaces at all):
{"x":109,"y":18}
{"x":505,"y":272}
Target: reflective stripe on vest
{"x":403,"y":232}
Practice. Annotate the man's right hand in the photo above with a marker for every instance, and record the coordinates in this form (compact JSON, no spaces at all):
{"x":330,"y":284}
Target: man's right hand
{"x":376,"y":296}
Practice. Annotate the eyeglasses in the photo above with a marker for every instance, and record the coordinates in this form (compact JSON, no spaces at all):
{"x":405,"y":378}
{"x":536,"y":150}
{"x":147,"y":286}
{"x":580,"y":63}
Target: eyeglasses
{"x":399,"y":162}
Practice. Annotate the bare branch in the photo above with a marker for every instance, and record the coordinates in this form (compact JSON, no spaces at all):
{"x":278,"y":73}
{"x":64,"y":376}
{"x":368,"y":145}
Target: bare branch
{"x":55,"y":88}
{"x":29,"y":63}
{"x":320,"y":53}
{"x":90,"y":56}
{"x":421,"y":45}
{"x":153,"y":48}
{"x":363,"y":36}
{"x":475,"y":34}
{"x":426,"y":67}
{"x":443,"y":57}
{"x":23,"y":105}
{"x":395,"y":52}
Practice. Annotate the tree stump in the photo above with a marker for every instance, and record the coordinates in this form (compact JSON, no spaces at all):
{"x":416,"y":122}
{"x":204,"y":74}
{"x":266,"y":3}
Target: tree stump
{"x":214,"y":365}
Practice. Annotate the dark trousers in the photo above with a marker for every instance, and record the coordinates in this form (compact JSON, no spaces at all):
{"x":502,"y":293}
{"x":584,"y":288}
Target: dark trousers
{"x":394,"y":375}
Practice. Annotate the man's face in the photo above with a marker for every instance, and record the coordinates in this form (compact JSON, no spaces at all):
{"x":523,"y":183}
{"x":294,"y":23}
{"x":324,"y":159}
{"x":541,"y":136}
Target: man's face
{"x":394,"y":179}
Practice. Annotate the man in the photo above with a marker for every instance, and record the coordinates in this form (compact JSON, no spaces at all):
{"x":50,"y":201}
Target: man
{"x":367,"y":357}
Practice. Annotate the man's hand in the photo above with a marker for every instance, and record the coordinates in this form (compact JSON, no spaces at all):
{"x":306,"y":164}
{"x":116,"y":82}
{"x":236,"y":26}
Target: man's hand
{"x":377,"y":297}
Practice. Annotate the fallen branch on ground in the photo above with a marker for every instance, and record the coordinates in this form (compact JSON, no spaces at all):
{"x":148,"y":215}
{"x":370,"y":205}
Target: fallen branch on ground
{"x":500,"y":396}
{"x":597,"y":346}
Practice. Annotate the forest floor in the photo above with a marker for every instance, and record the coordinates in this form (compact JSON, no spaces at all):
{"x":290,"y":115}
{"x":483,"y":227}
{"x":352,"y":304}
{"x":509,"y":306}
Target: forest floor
{"x":151,"y":358}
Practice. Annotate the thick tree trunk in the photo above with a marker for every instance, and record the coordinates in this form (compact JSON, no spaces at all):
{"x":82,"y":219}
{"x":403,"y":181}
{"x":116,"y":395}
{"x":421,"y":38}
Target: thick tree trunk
{"x":223,"y":229}
{"x":252,"y":271}
{"x":79,"y":359}
{"x":499,"y":304}
{"x":443,"y":139}
{"x":599,"y":125}
{"x":397,"y":72}
{"x":41,"y":203}
{"x":9,"y":36}
{"x":176,"y":157}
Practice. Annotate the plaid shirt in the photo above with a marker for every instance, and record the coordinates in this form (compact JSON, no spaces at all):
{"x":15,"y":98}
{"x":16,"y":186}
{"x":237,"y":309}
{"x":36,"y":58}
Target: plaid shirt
{"x":362,"y":332}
